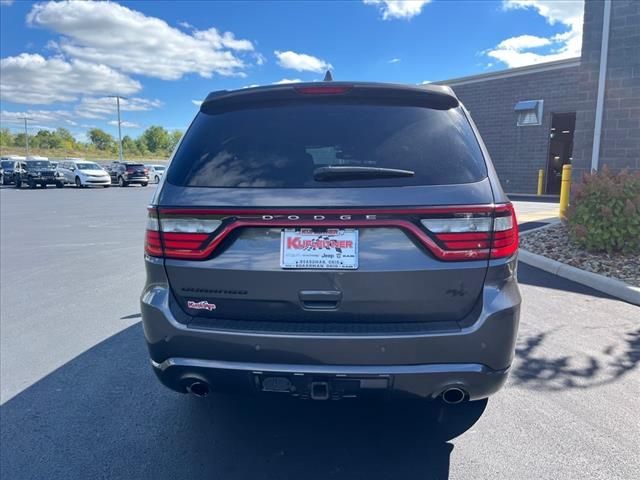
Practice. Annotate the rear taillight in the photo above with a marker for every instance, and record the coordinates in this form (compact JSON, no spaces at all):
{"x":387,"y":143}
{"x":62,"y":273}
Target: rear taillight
{"x":178,"y":236}
{"x":475,"y":235}
{"x":451,"y":233}
{"x":504,"y":242}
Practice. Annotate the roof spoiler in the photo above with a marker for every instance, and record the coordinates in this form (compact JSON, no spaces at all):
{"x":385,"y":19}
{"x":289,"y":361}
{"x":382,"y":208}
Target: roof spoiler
{"x":438,"y":97}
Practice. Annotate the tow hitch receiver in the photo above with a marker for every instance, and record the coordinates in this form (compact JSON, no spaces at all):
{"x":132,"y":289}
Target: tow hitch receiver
{"x":319,"y":391}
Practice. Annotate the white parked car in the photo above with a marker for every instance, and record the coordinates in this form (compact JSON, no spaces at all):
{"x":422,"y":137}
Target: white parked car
{"x":84,"y":174}
{"x":156,"y":172}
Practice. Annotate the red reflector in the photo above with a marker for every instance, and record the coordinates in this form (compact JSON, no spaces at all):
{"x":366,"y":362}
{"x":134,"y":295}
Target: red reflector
{"x":323,"y":90}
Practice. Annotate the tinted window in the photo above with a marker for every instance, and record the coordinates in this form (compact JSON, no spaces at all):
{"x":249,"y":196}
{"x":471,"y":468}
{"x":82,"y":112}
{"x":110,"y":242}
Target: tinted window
{"x":38,"y":164}
{"x":88,"y":166}
{"x":7,"y":164}
{"x":281,"y":146}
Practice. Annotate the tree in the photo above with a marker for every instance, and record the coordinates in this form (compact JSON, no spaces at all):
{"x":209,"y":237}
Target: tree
{"x":129,"y":146}
{"x":141,"y":146}
{"x":6,"y":137}
{"x":174,"y":138}
{"x":46,"y":139}
{"x":101,"y":139}
{"x":19,"y":139}
{"x":66,"y":139}
{"x":156,"y":139}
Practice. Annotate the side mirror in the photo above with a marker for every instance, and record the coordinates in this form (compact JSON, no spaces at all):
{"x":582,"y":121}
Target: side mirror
{"x":73,"y":169}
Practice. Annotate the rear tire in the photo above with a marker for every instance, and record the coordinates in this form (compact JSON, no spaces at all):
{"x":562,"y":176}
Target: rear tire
{"x":144,"y":184}
{"x":31,"y":184}
{"x":106,"y":186}
{"x":78,"y":182}
{"x":18,"y":183}
{"x":157,"y":179}
{"x":122,"y":183}
{"x":59,"y":185}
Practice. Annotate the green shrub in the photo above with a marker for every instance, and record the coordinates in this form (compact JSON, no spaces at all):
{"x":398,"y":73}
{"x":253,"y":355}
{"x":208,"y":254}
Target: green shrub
{"x":605,"y":212}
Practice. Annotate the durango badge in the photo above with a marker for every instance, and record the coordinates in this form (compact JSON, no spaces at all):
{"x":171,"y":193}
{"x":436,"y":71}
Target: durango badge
{"x":203,"y":305}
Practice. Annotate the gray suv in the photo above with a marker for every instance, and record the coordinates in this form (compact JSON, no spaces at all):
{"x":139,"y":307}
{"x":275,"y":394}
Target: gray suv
{"x":332,"y":240}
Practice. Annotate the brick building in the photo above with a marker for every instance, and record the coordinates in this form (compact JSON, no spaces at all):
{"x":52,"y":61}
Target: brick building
{"x":546,"y":115}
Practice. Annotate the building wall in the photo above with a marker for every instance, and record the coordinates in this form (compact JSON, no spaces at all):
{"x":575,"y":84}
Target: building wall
{"x":620,"y":140}
{"x":518,"y":152}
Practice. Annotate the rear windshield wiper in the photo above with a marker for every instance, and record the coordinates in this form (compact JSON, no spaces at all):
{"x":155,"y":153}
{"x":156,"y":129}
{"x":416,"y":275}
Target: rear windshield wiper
{"x":338,"y":172}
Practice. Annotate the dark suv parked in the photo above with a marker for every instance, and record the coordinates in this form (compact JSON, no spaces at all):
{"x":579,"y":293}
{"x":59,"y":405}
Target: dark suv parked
{"x":126,"y":173}
{"x":331,"y":240}
{"x":6,"y":166}
{"x":36,"y":172}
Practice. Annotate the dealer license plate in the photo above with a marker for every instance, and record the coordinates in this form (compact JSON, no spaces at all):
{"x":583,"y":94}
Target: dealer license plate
{"x":330,"y":249}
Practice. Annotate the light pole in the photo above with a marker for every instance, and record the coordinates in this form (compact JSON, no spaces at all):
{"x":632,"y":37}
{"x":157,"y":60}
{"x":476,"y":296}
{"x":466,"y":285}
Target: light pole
{"x":26,"y":135}
{"x":118,"y":97}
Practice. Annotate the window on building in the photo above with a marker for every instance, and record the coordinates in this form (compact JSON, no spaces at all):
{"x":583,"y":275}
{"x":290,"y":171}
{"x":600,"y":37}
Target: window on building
{"x":529,"y":112}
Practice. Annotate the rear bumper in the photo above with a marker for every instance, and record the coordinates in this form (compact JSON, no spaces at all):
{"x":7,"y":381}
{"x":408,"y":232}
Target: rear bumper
{"x":137,"y":179}
{"x":474,"y":357}
{"x":424,"y":381}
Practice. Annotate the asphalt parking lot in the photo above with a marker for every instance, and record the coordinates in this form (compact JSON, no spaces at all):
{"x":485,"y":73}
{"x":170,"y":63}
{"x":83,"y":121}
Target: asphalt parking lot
{"x":79,"y":399}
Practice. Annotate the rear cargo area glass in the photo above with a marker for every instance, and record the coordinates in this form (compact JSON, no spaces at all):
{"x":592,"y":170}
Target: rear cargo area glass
{"x":280,"y":147}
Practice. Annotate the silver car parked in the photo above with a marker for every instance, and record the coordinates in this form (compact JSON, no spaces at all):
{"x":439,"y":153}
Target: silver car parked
{"x":83,"y":174}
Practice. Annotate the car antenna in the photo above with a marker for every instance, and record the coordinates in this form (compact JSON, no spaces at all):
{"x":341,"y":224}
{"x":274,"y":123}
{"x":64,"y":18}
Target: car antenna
{"x":328,"y":77}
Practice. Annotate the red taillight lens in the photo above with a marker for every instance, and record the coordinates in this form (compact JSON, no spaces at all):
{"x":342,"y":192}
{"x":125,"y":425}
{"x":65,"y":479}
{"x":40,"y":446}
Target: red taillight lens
{"x":468,"y":236}
{"x":178,"y":236}
{"x":323,"y":90}
{"x":505,"y":232}
{"x":152,"y":241}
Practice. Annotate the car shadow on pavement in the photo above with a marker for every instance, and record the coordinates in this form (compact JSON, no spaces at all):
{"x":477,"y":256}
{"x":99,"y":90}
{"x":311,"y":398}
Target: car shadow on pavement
{"x":104,"y":415}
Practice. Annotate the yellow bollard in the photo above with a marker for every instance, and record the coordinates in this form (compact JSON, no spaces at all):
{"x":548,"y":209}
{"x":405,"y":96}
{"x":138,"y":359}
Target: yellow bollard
{"x":540,"y":181}
{"x":565,"y":189}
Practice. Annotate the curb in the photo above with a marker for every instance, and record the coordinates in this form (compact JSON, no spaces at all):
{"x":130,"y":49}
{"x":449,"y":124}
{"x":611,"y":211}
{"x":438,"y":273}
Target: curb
{"x":610,"y":286}
{"x":548,"y":222}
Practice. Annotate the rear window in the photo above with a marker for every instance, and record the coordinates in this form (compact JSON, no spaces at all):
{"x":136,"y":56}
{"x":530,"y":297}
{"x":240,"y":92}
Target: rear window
{"x":282,"y":146}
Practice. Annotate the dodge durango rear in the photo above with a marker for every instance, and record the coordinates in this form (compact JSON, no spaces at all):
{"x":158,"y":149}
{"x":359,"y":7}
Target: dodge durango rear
{"x":329,"y":241}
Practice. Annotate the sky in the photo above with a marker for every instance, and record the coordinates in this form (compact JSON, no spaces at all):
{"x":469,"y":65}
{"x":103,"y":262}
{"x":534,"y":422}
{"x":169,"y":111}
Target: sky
{"x":62,"y":61}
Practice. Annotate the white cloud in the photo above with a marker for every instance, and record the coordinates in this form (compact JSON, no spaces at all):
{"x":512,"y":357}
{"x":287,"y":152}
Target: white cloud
{"x":301,"y":62}
{"x":33,"y":79}
{"x":50,"y":118}
{"x":517,"y":51}
{"x":524,"y":42}
{"x":110,"y":34}
{"x":425,"y":82}
{"x":197,"y":103}
{"x":124,"y":124}
{"x":394,"y":60}
{"x":6,"y":3}
{"x":405,"y":9}
{"x":103,"y":107}
{"x":253,"y":85}
{"x":287,"y":80}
